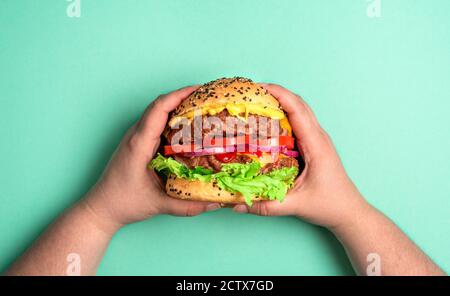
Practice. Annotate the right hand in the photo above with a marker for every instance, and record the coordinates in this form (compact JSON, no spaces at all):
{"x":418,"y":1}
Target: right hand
{"x":128,"y":192}
{"x":323,"y":194}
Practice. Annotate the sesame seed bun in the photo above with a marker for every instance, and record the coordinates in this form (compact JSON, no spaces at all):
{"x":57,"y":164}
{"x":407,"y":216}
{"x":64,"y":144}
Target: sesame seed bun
{"x":219,"y":92}
{"x":201,"y":191}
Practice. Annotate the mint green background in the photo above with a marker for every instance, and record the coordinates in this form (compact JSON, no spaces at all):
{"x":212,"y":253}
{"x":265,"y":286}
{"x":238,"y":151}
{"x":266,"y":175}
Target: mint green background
{"x":69,"y":88}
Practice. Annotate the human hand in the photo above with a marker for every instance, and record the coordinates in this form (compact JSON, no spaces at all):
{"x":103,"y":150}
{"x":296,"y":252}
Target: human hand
{"x":323,"y":194}
{"x":129,"y":192}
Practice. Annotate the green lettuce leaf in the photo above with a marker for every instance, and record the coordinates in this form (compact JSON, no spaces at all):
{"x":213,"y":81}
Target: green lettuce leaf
{"x":234,"y":177}
{"x":171,"y":166}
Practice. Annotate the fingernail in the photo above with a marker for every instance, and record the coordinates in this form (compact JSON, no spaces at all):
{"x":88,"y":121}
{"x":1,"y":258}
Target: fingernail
{"x":241,"y":209}
{"x":212,"y":207}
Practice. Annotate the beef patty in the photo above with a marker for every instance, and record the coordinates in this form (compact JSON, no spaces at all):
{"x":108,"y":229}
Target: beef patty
{"x":212,"y":163}
{"x":214,"y":127}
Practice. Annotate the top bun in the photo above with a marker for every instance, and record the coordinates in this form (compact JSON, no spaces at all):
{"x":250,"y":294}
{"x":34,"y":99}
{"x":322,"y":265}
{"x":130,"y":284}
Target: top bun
{"x":237,"y":90}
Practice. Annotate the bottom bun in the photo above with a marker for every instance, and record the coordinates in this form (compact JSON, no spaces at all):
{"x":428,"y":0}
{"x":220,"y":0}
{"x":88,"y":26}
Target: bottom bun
{"x":201,"y":191}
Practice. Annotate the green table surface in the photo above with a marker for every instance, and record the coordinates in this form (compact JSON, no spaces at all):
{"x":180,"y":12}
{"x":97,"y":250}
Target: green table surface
{"x":70,"y":87}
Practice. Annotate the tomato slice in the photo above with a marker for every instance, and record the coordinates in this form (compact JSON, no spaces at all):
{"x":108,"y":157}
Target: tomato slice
{"x":225,"y":157}
{"x":169,"y":150}
{"x":284,"y":141}
{"x":243,"y":140}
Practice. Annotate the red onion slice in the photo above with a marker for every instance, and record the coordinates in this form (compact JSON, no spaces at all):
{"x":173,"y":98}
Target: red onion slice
{"x":243,"y":149}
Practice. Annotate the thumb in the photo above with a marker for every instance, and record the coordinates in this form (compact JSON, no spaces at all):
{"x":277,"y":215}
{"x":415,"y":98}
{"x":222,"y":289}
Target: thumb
{"x":287,"y":207}
{"x":263,"y":208}
{"x":187,"y":208}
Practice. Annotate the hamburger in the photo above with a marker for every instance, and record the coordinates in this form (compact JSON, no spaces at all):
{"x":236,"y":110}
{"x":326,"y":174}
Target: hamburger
{"x":228,"y":142}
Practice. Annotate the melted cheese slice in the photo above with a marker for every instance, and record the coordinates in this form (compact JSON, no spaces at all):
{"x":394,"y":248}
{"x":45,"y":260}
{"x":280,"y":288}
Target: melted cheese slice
{"x":265,"y":158}
{"x":284,"y":123}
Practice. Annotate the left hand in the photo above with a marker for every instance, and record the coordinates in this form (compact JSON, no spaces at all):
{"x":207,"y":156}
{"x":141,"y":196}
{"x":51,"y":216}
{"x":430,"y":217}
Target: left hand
{"x":129,"y":192}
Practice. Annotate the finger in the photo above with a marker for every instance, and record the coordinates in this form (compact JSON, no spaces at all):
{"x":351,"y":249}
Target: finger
{"x":304,"y":124}
{"x":155,"y":117}
{"x":264,"y":208}
{"x":187,"y":208}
